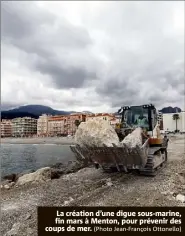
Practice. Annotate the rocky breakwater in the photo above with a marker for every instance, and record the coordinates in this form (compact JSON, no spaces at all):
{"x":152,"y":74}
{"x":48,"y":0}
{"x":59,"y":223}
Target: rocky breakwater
{"x":41,"y":175}
{"x":91,"y":133}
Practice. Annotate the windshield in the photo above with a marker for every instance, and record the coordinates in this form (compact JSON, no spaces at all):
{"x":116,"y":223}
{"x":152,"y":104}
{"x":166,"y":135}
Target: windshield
{"x":136,"y":117}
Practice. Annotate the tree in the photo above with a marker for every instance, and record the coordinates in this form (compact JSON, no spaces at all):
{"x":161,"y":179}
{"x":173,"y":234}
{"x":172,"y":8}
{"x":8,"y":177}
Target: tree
{"x":176,"y":118}
{"x":77,"y":123}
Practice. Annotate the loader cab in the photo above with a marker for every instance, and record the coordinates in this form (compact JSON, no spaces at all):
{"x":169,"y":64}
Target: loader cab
{"x":144,"y":116}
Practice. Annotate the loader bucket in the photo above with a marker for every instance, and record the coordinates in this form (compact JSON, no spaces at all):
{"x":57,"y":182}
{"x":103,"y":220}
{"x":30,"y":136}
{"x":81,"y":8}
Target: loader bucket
{"x":114,"y":156}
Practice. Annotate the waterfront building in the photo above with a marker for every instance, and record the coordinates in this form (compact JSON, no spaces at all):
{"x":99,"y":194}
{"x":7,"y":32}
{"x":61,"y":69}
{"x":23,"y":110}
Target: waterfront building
{"x":64,"y":124}
{"x":24,"y":127}
{"x":42,"y":125}
{"x":56,"y":125}
{"x":170,"y":124}
{"x":6,"y":128}
{"x":73,"y":121}
{"x":101,"y":116}
{"x":160,"y":120}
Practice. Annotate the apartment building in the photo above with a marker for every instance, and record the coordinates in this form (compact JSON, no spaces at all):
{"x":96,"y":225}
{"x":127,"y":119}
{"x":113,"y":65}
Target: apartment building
{"x":6,"y":128}
{"x":100,"y":116}
{"x":24,"y":127}
{"x":64,"y":125}
{"x":170,"y":124}
{"x":160,"y":120}
{"x":56,"y":125}
{"x":160,"y":116}
{"x":42,"y":125}
{"x":72,"y":121}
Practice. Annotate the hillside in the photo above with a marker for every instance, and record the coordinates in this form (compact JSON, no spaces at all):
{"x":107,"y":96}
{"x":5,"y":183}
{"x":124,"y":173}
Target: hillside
{"x":33,"y":111}
{"x":170,"y":110}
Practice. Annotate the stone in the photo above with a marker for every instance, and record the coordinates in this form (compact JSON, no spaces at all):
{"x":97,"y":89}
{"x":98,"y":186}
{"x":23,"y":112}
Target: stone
{"x":109,"y":182}
{"x":133,"y":139}
{"x":11,"y":184}
{"x":180,"y":198}
{"x":6,"y":186}
{"x":60,"y":169}
{"x":68,"y":201}
{"x":40,"y":175}
{"x":96,"y":133}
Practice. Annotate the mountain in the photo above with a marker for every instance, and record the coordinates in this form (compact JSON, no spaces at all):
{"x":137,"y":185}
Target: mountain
{"x":170,"y":110}
{"x":11,"y":115}
{"x":33,"y":111}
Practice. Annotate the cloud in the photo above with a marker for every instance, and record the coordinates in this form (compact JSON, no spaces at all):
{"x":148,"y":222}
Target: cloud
{"x":43,"y":39}
{"x":96,"y":57}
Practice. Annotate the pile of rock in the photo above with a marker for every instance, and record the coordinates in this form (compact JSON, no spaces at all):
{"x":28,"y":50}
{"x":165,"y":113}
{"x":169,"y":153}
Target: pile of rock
{"x":96,"y":133}
{"x":41,"y":175}
{"x":38,"y":176}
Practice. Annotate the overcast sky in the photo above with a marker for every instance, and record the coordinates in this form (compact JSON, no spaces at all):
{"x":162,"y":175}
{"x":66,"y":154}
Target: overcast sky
{"x":94,"y":56}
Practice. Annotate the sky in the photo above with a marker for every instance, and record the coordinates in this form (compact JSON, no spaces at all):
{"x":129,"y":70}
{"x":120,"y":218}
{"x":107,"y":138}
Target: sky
{"x":92,"y":56}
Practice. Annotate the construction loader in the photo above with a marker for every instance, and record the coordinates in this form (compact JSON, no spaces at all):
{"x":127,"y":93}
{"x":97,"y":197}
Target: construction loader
{"x":146,"y":160}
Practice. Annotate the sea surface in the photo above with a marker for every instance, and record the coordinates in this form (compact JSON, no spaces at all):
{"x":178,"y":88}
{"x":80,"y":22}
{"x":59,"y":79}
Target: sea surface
{"x":18,"y":158}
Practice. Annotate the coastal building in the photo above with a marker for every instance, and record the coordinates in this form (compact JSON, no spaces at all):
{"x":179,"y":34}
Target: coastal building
{"x":171,"y":124}
{"x":112,"y":119}
{"x":24,"y":127}
{"x":56,"y":125}
{"x":6,"y":128}
{"x":64,"y":124}
{"x":101,"y":116}
{"x":42,"y":125}
{"x":182,"y":121}
{"x":72,"y":122}
{"x":160,"y":120}
{"x":160,"y":116}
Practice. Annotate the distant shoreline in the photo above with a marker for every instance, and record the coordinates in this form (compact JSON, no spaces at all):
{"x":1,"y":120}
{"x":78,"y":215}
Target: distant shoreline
{"x":39,"y":140}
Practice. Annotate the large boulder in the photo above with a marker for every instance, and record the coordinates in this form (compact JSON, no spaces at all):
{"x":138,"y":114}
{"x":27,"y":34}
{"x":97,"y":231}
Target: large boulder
{"x":96,"y":133}
{"x":40,"y":175}
{"x":133,"y":139}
